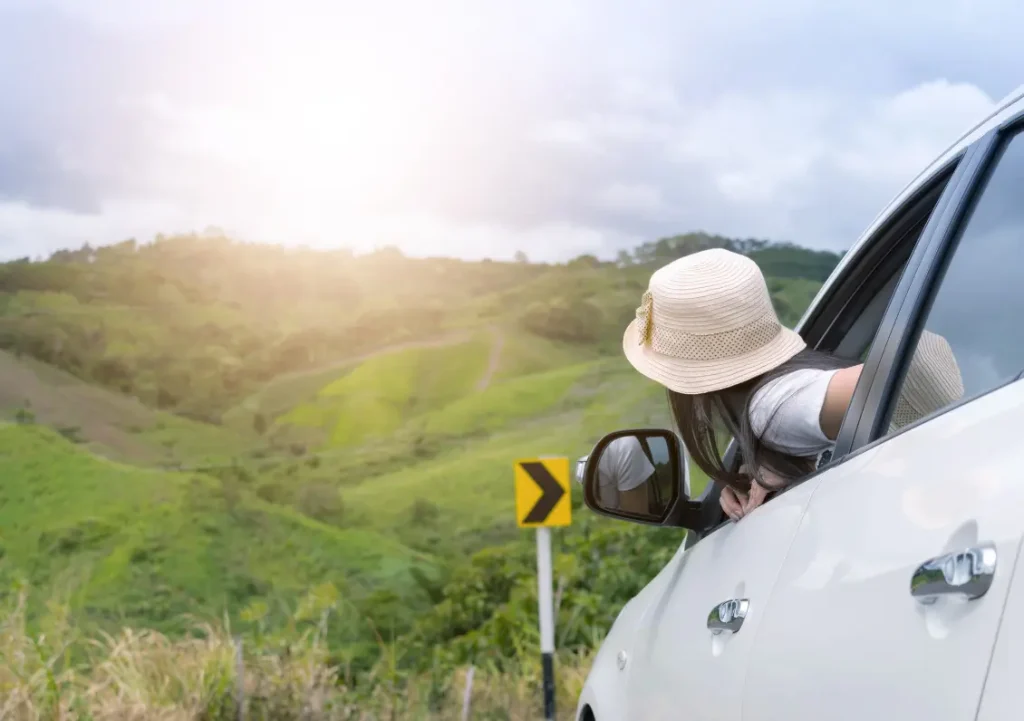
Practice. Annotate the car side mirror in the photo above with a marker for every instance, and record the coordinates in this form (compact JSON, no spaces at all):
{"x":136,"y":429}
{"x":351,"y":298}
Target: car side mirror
{"x":639,"y":475}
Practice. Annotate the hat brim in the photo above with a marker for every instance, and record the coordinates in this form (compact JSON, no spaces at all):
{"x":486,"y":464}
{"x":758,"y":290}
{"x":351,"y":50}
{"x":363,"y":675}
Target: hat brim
{"x":706,"y":376}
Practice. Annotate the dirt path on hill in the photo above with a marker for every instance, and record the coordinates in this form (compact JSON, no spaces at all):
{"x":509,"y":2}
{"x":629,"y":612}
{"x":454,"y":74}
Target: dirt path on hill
{"x":102,"y":418}
{"x":439,"y":341}
{"x":494,"y":360}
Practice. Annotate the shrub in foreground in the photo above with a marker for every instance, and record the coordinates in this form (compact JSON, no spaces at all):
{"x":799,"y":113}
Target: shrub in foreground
{"x":140,"y":675}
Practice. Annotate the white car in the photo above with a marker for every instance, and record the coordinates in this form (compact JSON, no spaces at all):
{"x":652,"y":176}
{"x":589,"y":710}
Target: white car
{"x":881,"y":586}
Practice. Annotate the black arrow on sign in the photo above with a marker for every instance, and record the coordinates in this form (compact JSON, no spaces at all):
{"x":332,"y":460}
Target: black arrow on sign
{"x":552,"y":492}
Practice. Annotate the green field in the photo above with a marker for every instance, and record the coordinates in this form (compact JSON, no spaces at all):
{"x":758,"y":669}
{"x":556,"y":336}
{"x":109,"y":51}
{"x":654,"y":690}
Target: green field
{"x":128,"y":544}
{"x":197,"y":429}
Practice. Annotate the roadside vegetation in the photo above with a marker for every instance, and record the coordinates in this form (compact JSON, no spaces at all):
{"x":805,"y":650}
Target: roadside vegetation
{"x":204,"y":442}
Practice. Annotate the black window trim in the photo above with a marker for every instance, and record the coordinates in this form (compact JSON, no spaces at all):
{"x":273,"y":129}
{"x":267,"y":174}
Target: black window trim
{"x":885,"y":368}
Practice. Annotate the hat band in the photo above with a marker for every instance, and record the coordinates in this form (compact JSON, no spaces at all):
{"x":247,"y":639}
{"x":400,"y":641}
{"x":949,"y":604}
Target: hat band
{"x":715,"y":346}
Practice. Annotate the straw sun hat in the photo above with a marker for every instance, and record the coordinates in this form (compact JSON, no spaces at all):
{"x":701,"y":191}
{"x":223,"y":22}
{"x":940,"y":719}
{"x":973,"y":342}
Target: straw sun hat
{"x":707,"y":323}
{"x":933,"y":381}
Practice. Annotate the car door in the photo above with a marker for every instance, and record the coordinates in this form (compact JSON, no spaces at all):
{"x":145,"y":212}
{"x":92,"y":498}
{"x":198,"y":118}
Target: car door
{"x":889,"y":601}
{"x":1001,"y":698}
{"x":691,"y":651}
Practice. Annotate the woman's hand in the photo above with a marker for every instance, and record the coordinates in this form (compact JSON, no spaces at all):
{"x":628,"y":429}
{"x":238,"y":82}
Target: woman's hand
{"x":736,"y":504}
{"x":732,"y":502}
{"x":755,"y":498}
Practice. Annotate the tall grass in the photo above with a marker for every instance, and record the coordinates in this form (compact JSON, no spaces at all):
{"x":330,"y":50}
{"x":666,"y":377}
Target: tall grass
{"x":135,"y":675}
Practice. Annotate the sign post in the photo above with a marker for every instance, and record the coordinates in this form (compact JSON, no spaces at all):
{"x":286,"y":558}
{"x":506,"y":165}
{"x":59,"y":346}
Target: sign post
{"x":543,"y":501}
{"x":547,"y":620}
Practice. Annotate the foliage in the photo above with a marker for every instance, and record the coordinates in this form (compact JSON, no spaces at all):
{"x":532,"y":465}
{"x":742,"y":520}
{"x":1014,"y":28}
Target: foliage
{"x":195,"y":324}
{"x":777,"y":260}
{"x":575,"y":321}
{"x":291,"y":669}
{"x":149,"y":547}
{"x":305,"y":420}
{"x":489,"y":612}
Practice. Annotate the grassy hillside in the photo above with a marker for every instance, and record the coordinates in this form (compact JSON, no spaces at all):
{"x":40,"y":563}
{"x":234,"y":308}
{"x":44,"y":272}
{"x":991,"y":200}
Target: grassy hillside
{"x":134,"y":545}
{"x":201,"y":428}
{"x":199,"y":325}
{"x":379,"y":395}
{"x":110,"y":423}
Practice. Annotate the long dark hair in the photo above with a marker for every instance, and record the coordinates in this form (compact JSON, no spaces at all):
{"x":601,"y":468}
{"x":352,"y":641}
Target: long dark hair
{"x":704,"y":420}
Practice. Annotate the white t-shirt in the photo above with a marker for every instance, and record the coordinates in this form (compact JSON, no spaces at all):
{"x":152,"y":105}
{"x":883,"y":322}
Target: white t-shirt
{"x":786,"y":412}
{"x":623,"y":467}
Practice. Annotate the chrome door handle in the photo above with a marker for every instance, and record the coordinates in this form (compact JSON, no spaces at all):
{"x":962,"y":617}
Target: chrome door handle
{"x":966,"y":574}
{"x":728,"y":615}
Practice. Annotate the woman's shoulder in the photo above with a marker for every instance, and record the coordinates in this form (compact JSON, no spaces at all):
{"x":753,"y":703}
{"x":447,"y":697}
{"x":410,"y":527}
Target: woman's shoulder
{"x":792,"y":382}
{"x":785,"y":411}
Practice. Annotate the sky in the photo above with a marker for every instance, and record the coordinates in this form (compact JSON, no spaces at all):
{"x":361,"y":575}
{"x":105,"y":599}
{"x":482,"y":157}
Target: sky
{"x":478,"y":128}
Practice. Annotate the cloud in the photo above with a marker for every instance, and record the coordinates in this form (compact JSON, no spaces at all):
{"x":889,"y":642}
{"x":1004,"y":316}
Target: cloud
{"x":782,"y":163}
{"x":31,"y":231}
{"x":40,"y":177}
{"x":477,"y":129}
{"x":631,"y":198}
{"x":811,"y":166}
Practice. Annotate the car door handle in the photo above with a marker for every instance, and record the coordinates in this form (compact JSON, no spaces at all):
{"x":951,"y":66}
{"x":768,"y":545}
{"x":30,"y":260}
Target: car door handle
{"x":728,"y":615}
{"x":966,"y":574}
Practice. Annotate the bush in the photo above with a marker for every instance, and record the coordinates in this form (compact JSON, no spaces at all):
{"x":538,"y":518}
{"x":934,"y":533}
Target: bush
{"x":273,"y":492}
{"x":142,"y":674}
{"x":321,"y":501}
{"x":577,"y":321}
{"x":423,"y":512}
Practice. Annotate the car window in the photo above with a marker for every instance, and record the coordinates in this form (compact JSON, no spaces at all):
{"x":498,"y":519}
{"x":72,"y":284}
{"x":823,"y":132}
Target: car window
{"x":972,"y":338}
{"x":856,"y":342}
{"x":851,"y":315}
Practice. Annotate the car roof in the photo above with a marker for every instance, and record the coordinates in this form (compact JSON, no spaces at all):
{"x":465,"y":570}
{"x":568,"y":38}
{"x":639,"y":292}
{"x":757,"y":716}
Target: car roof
{"x":1009,"y":106}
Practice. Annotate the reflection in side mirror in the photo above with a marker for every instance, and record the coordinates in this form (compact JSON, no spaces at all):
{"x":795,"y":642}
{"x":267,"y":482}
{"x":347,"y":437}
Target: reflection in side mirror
{"x":637,"y":475}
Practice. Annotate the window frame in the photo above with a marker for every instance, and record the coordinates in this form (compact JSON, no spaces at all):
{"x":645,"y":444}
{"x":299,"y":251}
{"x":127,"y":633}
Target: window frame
{"x":871,"y":406}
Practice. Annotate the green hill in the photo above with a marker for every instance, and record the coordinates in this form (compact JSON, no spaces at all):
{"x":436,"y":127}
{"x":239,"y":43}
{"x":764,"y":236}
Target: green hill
{"x":466,"y":487}
{"x":201,"y":325}
{"x":379,"y":395}
{"x":110,"y":423}
{"x":197,"y":427}
{"x":154,"y":547}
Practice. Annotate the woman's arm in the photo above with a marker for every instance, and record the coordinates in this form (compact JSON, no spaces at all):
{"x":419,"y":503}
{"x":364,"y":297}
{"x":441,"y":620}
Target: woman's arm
{"x":634,"y":500}
{"x":837,"y":400}
{"x":830,"y":418}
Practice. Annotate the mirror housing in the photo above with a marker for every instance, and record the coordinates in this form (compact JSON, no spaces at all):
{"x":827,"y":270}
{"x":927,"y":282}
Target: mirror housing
{"x":640,"y":475}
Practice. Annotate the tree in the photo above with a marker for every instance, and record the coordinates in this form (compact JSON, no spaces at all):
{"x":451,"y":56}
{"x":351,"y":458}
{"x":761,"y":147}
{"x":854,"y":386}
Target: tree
{"x":259,"y":424}
{"x":520,"y":257}
{"x":576,"y":321}
{"x":585,"y":261}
